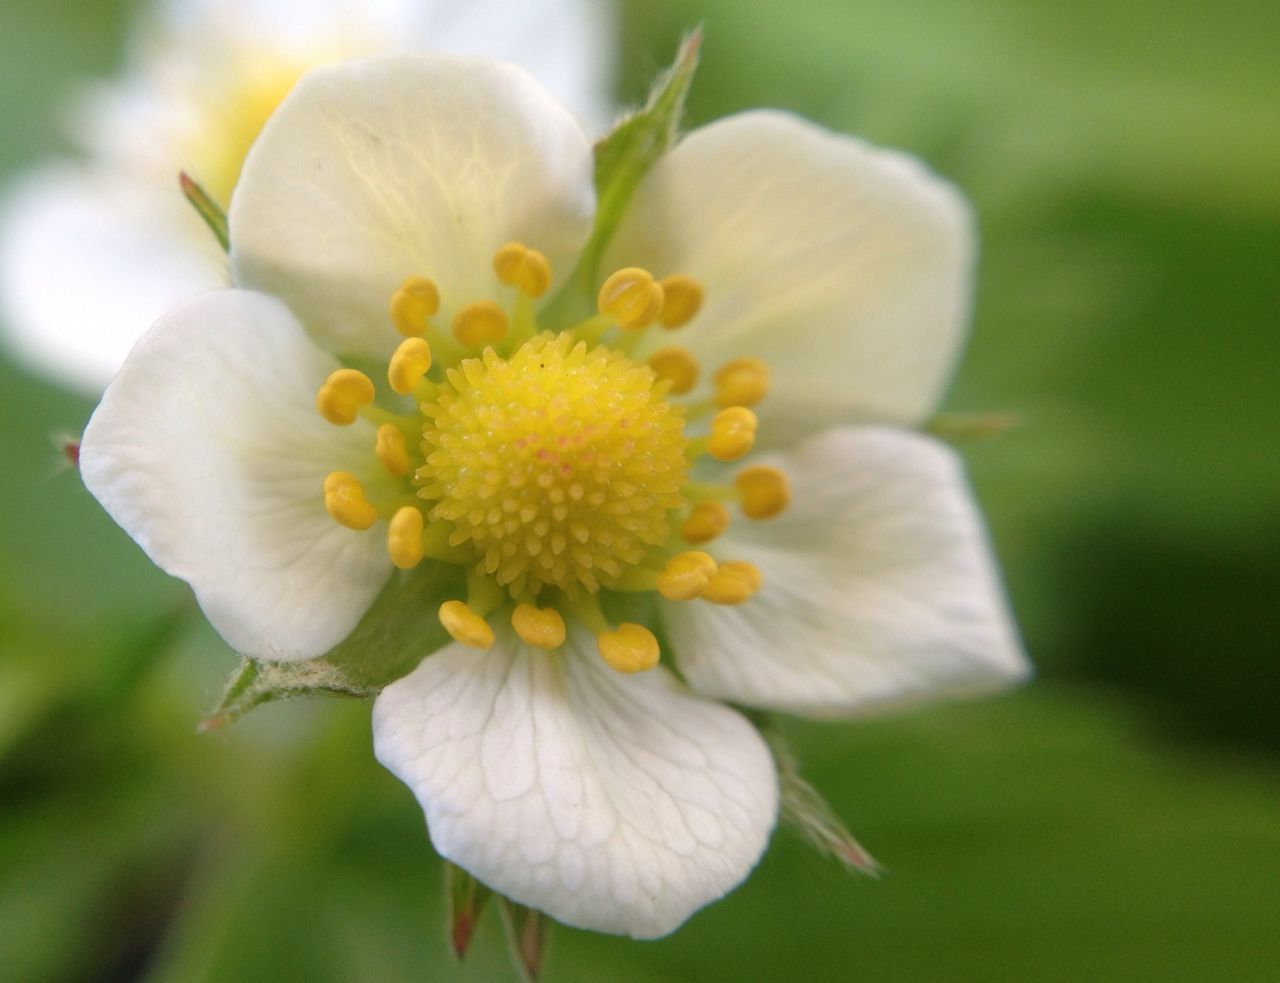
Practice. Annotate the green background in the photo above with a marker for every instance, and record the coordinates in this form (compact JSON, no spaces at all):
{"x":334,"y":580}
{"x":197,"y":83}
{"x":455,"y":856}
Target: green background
{"x":1118,"y":818}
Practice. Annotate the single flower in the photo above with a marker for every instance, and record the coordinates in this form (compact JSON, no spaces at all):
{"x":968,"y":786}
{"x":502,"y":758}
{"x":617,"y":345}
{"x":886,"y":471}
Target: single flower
{"x":202,"y":78}
{"x":718,"y":454}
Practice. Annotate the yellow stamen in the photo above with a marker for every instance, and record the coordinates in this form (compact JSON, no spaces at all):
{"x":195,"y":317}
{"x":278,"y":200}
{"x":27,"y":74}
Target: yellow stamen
{"x":343,"y":393}
{"x":632,"y":297}
{"x":764,"y":491}
{"x":629,"y":648}
{"x":541,"y":627}
{"x":707,"y":521}
{"x":733,"y":583}
{"x":742,"y":382}
{"x":408,"y":365}
{"x":523,"y":268}
{"x":481,"y":323}
{"x":733,"y":433}
{"x":682,"y":300}
{"x":344,"y":500}
{"x":404,"y":538}
{"x":677,"y":366}
{"x":466,"y":627}
{"x":411,"y":306}
{"x":686,"y":575}
{"x":389,"y":445}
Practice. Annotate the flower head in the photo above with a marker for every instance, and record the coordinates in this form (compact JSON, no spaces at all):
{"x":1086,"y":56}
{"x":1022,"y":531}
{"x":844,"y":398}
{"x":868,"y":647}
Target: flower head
{"x":707,"y":463}
{"x":203,"y":77}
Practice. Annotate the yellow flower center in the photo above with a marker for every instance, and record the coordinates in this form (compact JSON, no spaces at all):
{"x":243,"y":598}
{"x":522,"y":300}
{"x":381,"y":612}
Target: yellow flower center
{"x":558,"y":466}
{"x":552,"y":466}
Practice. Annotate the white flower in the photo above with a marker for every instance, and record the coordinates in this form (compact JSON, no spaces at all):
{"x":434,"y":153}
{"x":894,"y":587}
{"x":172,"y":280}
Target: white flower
{"x":204,"y":75}
{"x":843,"y":571}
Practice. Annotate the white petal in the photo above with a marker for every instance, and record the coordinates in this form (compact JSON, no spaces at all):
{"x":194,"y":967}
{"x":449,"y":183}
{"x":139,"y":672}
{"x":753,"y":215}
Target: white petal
{"x":88,"y":262}
{"x":377,"y":170}
{"x":846,"y":267}
{"x":880,"y":589}
{"x":208,"y":450}
{"x":610,"y":802}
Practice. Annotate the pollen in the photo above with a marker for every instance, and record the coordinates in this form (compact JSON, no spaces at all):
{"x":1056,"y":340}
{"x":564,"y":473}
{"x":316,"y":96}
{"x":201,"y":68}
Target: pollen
{"x":686,"y":575}
{"x":707,"y":521}
{"x":733,"y":583}
{"x":392,"y":450}
{"x":629,"y":648}
{"x":344,"y":500}
{"x":523,"y":268}
{"x":632,"y":297}
{"x":543,"y":628}
{"x":682,"y":299}
{"x":742,"y":382}
{"x":417,"y":300}
{"x":404,"y":537}
{"x":409,"y":363}
{"x":558,"y":467}
{"x":480,"y":323}
{"x":343,"y":393}
{"x":677,"y":366}
{"x":466,"y":627}
{"x":764,"y":491}
{"x":733,"y":433}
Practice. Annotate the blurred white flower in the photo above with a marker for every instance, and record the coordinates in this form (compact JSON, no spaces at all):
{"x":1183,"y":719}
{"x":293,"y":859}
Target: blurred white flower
{"x":92,"y":251}
{"x":553,"y":462}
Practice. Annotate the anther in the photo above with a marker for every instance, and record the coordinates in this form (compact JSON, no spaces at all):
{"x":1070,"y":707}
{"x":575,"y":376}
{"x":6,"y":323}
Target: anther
{"x":523,"y":268}
{"x":677,"y":366}
{"x":343,"y":393}
{"x":764,"y":491}
{"x":392,"y":451}
{"x":540,"y":627}
{"x":682,"y":299}
{"x":466,"y":627}
{"x":685,"y":576}
{"x":411,"y":306}
{"x":629,"y":648}
{"x":344,"y":500}
{"x":733,"y":433}
{"x":707,"y":521}
{"x":409,"y":363}
{"x":733,"y":583}
{"x":632,"y":297}
{"x":480,"y":323}
{"x":404,"y":538}
{"x":742,"y":382}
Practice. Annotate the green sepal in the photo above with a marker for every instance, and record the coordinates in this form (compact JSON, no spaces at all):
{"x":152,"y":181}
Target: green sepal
{"x":528,"y":932}
{"x":963,"y":428}
{"x":465,"y":898}
{"x":807,"y":812}
{"x":255,"y":683}
{"x":208,"y":209}
{"x":621,"y":159}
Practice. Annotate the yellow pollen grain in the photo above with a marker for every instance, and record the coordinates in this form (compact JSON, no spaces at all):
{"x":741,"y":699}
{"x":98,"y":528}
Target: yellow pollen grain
{"x":343,"y":393}
{"x":733,"y":433}
{"x":404,"y":537}
{"x":685,"y":576}
{"x":344,"y":500}
{"x":392,"y":451}
{"x":466,"y":627}
{"x":733,"y":583}
{"x":558,"y":467}
{"x":764,"y":491}
{"x":409,"y":363}
{"x":541,"y":627}
{"x":526,"y":269}
{"x":481,"y":323}
{"x":677,"y":366}
{"x":742,"y":382}
{"x":632,"y":297}
{"x":417,"y":300}
{"x":682,"y":299}
{"x":630,"y":648}
{"x":707,"y":521}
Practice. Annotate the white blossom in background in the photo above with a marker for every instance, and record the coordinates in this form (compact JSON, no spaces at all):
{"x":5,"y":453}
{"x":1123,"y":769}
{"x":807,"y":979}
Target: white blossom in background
{"x":93,"y":250}
{"x":769,"y":278}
